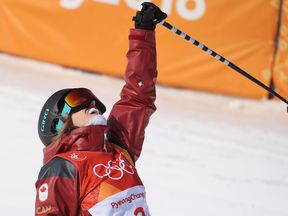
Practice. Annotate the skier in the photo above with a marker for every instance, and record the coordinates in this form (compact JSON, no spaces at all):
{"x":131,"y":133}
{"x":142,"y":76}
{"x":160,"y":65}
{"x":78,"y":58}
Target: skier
{"x":89,"y":163}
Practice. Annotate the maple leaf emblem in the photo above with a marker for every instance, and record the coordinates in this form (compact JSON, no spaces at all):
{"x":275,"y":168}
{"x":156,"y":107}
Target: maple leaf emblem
{"x":43,"y":189}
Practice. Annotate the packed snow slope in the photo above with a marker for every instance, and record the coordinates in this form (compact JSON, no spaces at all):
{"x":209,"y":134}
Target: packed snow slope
{"x":204,"y":154}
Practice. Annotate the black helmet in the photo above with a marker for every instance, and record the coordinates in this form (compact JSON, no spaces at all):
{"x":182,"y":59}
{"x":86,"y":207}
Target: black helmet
{"x":53,"y":108}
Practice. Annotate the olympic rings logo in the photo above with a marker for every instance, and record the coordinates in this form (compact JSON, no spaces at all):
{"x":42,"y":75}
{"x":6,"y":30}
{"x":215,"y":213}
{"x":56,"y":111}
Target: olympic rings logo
{"x":114,"y":169}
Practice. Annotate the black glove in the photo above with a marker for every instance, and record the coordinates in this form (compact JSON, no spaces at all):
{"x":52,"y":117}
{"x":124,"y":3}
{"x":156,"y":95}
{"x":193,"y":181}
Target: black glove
{"x":148,"y":15}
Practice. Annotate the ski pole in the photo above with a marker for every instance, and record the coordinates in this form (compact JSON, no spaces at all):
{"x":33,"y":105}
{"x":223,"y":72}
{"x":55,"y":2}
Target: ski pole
{"x":220,"y":58}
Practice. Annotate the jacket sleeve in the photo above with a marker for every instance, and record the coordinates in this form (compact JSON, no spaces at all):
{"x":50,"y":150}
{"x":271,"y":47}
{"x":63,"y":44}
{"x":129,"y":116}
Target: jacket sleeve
{"x":130,"y":115}
{"x":57,"y":190}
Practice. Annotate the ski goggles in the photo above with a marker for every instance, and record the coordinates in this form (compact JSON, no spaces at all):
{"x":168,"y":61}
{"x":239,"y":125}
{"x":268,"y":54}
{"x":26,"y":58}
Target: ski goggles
{"x":77,"y":100}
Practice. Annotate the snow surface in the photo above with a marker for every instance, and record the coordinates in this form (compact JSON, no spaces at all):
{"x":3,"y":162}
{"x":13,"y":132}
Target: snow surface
{"x":204,"y":154}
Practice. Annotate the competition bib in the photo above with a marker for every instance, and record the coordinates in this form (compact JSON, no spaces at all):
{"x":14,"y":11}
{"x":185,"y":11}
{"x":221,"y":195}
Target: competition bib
{"x":110,"y":185}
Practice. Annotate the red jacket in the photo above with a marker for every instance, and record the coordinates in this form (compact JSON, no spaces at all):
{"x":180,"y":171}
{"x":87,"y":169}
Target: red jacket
{"x":92,"y":171}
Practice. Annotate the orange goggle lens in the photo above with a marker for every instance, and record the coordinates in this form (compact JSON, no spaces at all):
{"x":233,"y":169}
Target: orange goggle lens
{"x":79,"y":96}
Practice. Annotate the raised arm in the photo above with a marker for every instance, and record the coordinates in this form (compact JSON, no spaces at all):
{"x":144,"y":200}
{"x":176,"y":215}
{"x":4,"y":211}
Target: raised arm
{"x":130,"y":115}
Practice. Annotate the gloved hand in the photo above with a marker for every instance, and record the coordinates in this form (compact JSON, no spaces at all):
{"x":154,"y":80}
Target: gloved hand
{"x":148,"y":15}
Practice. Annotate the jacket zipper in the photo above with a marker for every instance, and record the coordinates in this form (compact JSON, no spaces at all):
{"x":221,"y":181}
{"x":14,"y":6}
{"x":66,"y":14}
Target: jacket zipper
{"x":105,"y":140}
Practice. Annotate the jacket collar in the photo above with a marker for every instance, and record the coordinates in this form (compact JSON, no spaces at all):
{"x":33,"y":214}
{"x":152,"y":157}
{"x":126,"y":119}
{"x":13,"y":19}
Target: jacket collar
{"x":87,"y":138}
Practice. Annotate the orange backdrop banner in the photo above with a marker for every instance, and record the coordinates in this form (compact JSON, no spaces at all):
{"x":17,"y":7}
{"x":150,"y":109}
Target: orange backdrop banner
{"x":280,"y":69}
{"x":93,"y":35}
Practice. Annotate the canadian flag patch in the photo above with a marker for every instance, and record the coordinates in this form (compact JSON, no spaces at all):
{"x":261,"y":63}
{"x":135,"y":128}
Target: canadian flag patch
{"x":43,"y":192}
